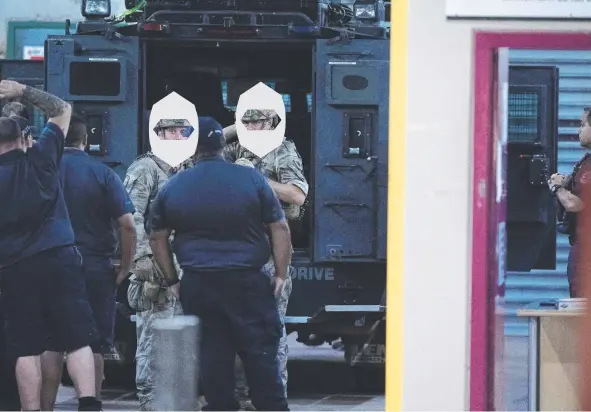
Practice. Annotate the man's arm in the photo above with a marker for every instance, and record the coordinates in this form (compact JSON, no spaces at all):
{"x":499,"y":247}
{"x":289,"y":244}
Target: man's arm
{"x":159,"y":240}
{"x":138,"y":184}
{"x":274,"y":218}
{"x":292,"y":187}
{"x":571,"y":202}
{"x":57,"y":110}
{"x":128,"y":242}
{"x":121,"y":209}
{"x":163,"y":254}
{"x":281,"y":244}
{"x":288,"y":192}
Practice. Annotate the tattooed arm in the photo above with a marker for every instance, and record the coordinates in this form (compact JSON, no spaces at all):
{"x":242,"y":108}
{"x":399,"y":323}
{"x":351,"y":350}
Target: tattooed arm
{"x":57,"y":110}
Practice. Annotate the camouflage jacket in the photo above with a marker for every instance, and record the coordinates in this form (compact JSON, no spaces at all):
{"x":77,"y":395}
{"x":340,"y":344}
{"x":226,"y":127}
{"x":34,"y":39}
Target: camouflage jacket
{"x":282,"y":165}
{"x":144,"y":178}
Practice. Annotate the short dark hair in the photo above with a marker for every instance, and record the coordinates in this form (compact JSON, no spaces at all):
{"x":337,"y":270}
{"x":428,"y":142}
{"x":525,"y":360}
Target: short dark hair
{"x":9,"y":130}
{"x":76,"y":132}
{"x":211,"y":147}
{"x":15,"y":109}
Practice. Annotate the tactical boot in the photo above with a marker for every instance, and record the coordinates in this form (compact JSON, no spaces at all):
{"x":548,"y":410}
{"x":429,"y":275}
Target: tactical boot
{"x":89,"y":403}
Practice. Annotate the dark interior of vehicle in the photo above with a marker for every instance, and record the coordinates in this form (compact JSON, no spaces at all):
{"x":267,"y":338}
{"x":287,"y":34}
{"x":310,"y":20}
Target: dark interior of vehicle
{"x":204,"y":73}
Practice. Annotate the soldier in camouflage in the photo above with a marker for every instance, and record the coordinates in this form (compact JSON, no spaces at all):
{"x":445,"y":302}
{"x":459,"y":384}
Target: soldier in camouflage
{"x":284,"y":171}
{"x":148,"y":294}
{"x":172,"y":129}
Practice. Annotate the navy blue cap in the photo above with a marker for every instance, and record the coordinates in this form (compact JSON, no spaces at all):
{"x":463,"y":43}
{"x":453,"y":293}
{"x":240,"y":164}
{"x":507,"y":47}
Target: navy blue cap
{"x":210,"y":134}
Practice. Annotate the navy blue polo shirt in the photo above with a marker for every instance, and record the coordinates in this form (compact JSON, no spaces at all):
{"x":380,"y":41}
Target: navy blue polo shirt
{"x":218,"y":211}
{"x":95,"y":198}
{"x":33,"y":214}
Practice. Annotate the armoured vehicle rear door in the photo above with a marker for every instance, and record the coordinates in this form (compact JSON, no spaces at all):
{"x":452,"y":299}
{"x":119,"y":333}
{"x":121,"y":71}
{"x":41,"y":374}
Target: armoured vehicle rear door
{"x":532,"y":156}
{"x":100,"y":77}
{"x":31,"y":73}
{"x":350,"y":150}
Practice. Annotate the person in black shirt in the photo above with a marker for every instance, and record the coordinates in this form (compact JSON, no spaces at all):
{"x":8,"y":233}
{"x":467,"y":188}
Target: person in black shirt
{"x":96,"y":201}
{"x":220,"y":213}
{"x":9,"y":400}
{"x":41,"y":274}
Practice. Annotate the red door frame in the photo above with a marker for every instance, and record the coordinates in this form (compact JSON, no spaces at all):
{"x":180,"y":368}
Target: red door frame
{"x":484,"y":262}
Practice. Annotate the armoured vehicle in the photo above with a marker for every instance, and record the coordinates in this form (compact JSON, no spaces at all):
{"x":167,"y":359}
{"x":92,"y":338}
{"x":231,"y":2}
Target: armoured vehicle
{"x":330,"y":62}
{"x":329,"y":59}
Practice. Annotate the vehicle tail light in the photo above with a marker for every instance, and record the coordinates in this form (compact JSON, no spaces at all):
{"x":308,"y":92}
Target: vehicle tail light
{"x":152,"y":27}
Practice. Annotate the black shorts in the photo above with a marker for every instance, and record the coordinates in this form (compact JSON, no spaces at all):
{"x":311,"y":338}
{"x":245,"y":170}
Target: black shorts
{"x":101,"y":287}
{"x":46,"y":295}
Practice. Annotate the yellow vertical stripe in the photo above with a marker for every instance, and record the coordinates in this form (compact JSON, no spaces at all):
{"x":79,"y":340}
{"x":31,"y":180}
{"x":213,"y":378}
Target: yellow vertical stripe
{"x":396,"y":200}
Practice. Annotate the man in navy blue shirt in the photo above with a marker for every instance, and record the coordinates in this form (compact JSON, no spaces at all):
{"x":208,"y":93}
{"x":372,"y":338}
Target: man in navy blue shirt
{"x":9,"y":400}
{"x":221,"y":213}
{"x":41,"y":273}
{"x":96,"y":202}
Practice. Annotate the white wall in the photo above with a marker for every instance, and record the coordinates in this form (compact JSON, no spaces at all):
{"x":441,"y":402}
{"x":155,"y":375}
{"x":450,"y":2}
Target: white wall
{"x":439,"y":204}
{"x":43,"y":10}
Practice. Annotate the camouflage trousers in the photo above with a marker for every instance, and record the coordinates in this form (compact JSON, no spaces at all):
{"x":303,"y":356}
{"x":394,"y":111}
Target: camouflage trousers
{"x":241,"y":384}
{"x":144,"y":372}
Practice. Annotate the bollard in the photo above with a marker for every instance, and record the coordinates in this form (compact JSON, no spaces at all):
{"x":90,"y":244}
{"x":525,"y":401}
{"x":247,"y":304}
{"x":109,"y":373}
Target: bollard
{"x":176,"y":363}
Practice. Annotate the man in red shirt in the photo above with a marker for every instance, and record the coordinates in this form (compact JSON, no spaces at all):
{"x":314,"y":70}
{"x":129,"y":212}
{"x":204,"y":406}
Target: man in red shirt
{"x":569,"y":192}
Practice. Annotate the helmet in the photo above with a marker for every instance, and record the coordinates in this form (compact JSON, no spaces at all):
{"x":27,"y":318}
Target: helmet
{"x":266,"y":115}
{"x":163,"y":123}
{"x":253,"y":115}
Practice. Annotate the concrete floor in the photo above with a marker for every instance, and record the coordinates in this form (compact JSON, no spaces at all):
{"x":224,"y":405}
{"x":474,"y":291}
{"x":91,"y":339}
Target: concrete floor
{"x":516,"y":373}
{"x":329,"y":390}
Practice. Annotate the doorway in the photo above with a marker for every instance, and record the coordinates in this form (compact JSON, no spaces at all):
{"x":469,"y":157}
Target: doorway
{"x":521,"y":123}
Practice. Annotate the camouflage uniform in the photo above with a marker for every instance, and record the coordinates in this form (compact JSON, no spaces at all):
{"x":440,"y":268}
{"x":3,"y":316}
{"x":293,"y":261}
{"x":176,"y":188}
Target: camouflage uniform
{"x":283,"y":165}
{"x":147,"y":293}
